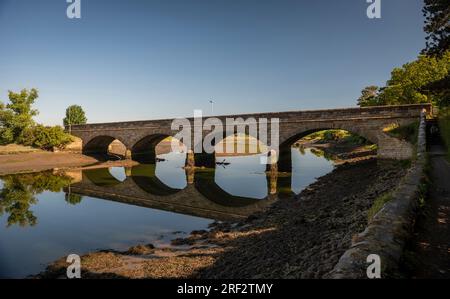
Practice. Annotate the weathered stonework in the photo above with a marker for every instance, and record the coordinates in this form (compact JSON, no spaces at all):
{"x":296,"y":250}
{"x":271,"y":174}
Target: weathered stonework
{"x":196,"y":199}
{"x":387,"y":233}
{"x":141,"y":137}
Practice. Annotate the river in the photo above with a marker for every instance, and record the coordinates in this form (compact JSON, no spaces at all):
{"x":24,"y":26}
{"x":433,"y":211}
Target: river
{"x":48,"y":215}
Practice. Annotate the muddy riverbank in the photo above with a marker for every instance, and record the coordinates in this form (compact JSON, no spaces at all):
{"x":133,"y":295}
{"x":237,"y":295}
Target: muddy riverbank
{"x":300,"y":237}
{"x":42,"y":160}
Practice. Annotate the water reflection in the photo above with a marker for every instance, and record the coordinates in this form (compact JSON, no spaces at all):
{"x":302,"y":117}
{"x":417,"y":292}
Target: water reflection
{"x":308,"y":164}
{"x":240,"y":183}
{"x":170,"y":171}
{"x":48,"y":215}
{"x":244,"y":176}
{"x":19,"y":192}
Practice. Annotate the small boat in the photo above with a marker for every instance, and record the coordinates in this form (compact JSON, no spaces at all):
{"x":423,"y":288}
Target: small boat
{"x":223,"y":163}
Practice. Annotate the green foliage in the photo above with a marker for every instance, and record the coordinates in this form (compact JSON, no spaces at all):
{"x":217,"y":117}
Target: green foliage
{"x":17,"y":115}
{"x":437,"y":26}
{"x":45,"y":137}
{"x":320,"y":153}
{"x":378,"y":205}
{"x":19,"y":191}
{"x":408,"y":84}
{"x":75,"y":116}
{"x":17,"y":124}
{"x":441,"y":90}
{"x":369,"y":97}
{"x":341,"y":136}
{"x":408,"y":133}
{"x":73,"y":198}
{"x":444,"y":127}
{"x":50,"y":137}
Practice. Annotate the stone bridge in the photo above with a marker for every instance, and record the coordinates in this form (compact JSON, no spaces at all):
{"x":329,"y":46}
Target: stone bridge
{"x":141,"y":137}
{"x":202,"y":197}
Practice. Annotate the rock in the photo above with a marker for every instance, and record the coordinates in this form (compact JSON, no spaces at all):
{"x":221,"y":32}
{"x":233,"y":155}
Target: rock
{"x":141,"y":249}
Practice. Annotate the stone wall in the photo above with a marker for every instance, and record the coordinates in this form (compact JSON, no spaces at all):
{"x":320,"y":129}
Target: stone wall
{"x":390,"y":228}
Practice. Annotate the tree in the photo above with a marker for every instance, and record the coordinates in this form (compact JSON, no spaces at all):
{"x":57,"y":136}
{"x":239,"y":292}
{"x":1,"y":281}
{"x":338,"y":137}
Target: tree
{"x":437,"y":26}
{"x":74,"y":116}
{"x":17,"y":116}
{"x":412,"y":83}
{"x":407,"y":83}
{"x":369,"y":96}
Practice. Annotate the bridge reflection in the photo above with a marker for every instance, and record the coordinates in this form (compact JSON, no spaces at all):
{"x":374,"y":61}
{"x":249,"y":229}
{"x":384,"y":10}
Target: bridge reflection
{"x":202,"y":197}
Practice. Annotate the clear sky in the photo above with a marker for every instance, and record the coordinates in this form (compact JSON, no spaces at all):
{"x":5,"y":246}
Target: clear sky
{"x":138,"y":59}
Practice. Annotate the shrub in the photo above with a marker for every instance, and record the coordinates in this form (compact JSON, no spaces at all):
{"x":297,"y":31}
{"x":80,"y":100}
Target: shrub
{"x":26,"y":137}
{"x":45,"y":137}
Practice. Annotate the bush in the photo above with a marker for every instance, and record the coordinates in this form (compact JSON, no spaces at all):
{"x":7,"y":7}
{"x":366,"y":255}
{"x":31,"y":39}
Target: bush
{"x":26,"y":137}
{"x":45,"y":137}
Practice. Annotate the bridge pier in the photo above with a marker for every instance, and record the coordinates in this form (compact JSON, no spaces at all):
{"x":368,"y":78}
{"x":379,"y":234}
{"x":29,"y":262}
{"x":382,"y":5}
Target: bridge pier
{"x":273,"y":179}
{"x":190,"y":175}
{"x":190,"y":159}
{"x":284,"y":161}
{"x":128,"y":171}
{"x":205,"y":160}
{"x":128,"y":155}
{"x":149,"y":156}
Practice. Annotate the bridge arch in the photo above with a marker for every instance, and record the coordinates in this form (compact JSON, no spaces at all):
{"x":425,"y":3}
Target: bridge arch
{"x":100,"y":147}
{"x":284,"y":155}
{"x":299,"y":134}
{"x":101,"y":177}
{"x":144,"y":150}
{"x":205,"y":184}
{"x":249,"y":144}
{"x":144,"y":176}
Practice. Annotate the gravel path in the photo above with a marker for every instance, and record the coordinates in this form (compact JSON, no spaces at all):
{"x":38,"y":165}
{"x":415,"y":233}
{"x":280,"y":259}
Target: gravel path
{"x":430,"y":248}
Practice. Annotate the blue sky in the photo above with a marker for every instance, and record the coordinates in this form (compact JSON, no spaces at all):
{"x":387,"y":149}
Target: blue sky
{"x":137,"y":59}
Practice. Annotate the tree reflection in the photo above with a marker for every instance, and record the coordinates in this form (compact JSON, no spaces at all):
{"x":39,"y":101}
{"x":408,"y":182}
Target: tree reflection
{"x":322,"y":154}
{"x":19,"y":191}
{"x":73,"y":198}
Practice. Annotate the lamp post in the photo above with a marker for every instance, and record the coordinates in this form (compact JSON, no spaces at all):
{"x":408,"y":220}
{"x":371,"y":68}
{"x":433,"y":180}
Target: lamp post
{"x":70,"y":121}
{"x":212,"y":106}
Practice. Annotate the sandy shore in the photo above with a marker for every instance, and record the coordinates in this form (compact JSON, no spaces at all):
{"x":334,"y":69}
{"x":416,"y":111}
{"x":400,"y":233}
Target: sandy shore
{"x":41,"y":160}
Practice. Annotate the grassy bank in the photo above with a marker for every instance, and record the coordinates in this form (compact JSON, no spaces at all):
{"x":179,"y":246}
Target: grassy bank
{"x":408,"y":133}
{"x":444,"y":125}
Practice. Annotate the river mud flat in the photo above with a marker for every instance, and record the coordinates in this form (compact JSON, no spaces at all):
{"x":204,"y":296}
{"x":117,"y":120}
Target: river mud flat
{"x":299,"y":237}
{"x":42,"y":160}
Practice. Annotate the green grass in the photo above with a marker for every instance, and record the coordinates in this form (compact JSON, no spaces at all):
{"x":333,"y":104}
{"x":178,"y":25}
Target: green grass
{"x":378,"y":205}
{"x":408,"y":133}
{"x":444,"y":126}
{"x":336,"y":135}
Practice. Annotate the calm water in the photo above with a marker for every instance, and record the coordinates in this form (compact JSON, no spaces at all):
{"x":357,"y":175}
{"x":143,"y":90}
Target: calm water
{"x":45,"y":216}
